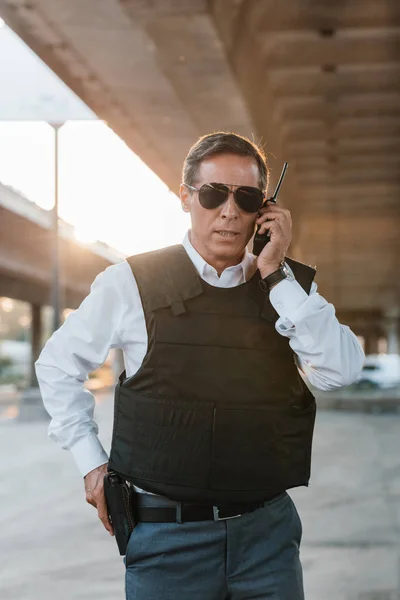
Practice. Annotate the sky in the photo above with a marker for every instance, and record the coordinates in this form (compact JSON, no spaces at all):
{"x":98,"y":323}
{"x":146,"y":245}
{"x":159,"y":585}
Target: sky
{"x":105,"y":190}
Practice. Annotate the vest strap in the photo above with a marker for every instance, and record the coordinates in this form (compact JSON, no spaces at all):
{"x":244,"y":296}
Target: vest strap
{"x":166,"y":277}
{"x":178,"y":308}
{"x":303,"y":274}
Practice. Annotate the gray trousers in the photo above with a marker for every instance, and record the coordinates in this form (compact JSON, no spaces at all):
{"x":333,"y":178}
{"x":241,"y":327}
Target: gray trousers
{"x":252,"y":557}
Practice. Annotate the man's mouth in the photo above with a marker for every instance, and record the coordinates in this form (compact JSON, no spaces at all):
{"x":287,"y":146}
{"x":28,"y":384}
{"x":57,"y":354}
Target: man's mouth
{"x":227,"y":233}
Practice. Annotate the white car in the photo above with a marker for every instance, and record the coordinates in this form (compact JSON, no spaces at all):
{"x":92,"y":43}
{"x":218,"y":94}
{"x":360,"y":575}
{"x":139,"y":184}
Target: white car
{"x":380,"y":371}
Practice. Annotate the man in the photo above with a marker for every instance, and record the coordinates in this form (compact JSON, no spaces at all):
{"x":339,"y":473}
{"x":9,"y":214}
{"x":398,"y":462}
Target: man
{"x":213,"y":422}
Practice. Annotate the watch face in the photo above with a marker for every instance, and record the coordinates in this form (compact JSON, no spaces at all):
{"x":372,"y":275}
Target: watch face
{"x":288,"y":272}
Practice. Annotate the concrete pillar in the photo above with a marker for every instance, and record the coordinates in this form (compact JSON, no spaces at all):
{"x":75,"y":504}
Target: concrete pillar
{"x":31,"y":406}
{"x":393,"y":342}
{"x":36,"y":332}
{"x":371,"y":343}
{"x":392,"y":329}
{"x":382,"y":345}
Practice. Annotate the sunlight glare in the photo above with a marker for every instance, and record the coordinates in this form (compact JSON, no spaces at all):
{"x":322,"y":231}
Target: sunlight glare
{"x":105,"y":190}
{"x":84,"y":234}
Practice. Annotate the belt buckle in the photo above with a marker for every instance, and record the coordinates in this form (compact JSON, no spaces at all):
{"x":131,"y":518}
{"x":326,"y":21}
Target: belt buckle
{"x":218,"y":518}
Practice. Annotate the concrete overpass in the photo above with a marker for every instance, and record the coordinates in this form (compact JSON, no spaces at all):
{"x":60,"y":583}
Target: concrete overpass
{"x":25,"y":260}
{"x":26,"y":254}
{"x":317,"y":81}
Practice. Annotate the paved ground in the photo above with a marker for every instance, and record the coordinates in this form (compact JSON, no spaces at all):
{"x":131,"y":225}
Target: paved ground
{"x":367,"y":401}
{"x":53,"y":547}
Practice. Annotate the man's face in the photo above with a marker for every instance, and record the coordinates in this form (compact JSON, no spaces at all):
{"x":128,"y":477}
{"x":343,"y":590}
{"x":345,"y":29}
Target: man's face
{"x":209,"y":225}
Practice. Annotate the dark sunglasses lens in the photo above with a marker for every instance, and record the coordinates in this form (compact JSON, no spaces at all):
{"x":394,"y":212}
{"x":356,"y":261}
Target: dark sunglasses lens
{"x":212,"y":195}
{"x":250,"y":199}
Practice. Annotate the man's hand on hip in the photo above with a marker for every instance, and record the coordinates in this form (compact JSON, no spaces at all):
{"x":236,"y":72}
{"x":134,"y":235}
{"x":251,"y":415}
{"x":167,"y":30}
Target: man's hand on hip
{"x":94,"y":488}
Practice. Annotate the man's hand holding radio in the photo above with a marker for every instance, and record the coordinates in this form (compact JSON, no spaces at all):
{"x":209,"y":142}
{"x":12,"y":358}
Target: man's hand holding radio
{"x":278,"y":222}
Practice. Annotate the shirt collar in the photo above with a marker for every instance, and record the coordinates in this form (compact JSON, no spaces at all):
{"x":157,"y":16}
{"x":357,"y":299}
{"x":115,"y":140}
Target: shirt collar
{"x":246,"y":266}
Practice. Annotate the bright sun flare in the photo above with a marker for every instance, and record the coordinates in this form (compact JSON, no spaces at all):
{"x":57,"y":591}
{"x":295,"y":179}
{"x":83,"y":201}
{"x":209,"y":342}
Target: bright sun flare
{"x":105,"y":191}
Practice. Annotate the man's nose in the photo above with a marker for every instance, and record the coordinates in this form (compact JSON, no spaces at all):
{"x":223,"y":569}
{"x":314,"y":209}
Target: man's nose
{"x":230,"y":208}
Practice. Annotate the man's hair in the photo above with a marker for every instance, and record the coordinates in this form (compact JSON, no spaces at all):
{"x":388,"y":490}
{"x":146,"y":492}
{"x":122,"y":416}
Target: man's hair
{"x":223,"y":142}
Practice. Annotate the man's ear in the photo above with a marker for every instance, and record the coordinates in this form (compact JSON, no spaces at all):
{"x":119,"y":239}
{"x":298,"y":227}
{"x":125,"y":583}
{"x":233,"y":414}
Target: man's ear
{"x":184,"y":196}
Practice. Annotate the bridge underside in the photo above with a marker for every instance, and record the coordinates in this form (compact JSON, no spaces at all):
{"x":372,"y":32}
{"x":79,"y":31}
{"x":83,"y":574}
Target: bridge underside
{"x":318,"y":82}
{"x":26,"y":268}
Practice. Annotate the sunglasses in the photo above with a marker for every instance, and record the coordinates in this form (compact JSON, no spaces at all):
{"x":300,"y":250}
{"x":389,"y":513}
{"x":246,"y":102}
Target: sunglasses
{"x":211,"y":195}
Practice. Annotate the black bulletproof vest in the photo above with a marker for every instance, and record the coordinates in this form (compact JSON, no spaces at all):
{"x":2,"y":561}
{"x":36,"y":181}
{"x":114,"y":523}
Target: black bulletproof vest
{"x":218,"y":411}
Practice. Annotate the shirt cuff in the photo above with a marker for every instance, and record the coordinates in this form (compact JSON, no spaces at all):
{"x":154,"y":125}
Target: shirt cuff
{"x":89,"y":453}
{"x":287,"y":297}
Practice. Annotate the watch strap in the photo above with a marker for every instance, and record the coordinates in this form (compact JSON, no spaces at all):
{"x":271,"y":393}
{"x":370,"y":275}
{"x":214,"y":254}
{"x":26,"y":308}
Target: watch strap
{"x":273,"y":278}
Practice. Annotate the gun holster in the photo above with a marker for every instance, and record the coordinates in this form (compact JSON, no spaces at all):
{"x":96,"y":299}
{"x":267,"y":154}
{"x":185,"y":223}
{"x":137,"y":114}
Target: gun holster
{"x":119,"y":499}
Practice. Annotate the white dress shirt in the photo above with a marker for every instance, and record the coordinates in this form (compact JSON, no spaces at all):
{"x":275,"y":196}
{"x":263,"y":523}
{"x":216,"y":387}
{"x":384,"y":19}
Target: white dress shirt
{"x":111,"y":316}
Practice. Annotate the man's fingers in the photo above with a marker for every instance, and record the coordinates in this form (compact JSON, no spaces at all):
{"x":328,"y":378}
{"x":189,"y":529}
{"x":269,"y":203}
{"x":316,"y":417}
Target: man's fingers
{"x":103,"y":513}
{"x":265,"y":227}
{"x":271,"y":217}
{"x":269,"y":226}
{"x":94,"y":487}
{"x":98,"y":501}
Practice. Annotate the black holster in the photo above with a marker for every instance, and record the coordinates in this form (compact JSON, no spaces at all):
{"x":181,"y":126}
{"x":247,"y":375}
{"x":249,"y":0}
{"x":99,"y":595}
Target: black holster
{"x":119,"y":499}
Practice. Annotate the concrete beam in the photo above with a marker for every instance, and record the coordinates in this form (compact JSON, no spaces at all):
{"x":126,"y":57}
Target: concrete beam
{"x":347,"y":47}
{"x":342,"y":106}
{"x":362,"y":78}
{"x":360,"y":127}
{"x":317,"y":83}
{"x":28,"y":290}
{"x":272,"y":15}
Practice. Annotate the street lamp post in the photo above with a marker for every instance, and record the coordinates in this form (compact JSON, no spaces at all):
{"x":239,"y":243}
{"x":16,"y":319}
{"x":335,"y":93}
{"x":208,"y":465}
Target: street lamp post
{"x":55,"y":245}
{"x":34,"y":94}
{"x":31,"y":406}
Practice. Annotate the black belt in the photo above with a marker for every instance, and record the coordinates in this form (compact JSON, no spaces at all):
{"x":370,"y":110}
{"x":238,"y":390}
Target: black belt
{"x":157,"y":509}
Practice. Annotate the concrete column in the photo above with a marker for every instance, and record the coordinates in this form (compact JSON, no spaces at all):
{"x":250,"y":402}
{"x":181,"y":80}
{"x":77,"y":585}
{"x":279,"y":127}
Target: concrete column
{"x":36,"y":332}
{"x":31,"y":405}
{"x":391,"y":326}
{"x":392,"y":332}
{"x":371,"y":343}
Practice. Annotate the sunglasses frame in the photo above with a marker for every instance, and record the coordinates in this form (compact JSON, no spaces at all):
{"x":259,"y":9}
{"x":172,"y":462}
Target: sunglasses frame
{"x":229,"y":186}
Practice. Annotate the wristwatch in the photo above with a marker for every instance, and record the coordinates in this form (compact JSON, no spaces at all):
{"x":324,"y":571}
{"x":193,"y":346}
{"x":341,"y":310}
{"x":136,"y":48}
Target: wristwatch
{"x":284,"y":272}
